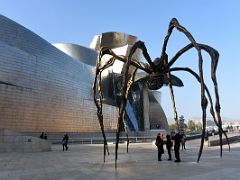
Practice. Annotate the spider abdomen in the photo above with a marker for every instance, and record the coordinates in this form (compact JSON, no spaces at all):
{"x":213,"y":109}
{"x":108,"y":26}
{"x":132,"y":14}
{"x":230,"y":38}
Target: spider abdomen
{"x":155,"y":83}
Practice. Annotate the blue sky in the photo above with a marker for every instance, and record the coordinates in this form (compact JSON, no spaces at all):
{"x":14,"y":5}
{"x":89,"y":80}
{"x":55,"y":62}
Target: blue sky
{"x":215,"y":23}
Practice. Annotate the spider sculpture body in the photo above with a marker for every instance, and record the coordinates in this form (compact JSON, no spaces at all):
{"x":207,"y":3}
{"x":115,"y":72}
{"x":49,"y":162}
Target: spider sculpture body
{"x":159,"y":74}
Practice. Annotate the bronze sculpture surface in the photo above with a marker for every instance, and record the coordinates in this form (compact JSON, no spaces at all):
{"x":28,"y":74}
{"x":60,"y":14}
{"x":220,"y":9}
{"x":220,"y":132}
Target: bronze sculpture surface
{"x":159,"y":74}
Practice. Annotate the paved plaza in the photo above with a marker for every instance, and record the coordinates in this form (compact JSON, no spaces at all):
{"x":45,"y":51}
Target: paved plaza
{"x":86,"y":162}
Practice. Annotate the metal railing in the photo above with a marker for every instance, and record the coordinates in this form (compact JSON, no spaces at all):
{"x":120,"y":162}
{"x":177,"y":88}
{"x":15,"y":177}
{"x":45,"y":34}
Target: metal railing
{"x":98,"y":140}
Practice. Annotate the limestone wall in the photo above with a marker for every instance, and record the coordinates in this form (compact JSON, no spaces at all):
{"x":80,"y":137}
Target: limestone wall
{"x":15,"y":142}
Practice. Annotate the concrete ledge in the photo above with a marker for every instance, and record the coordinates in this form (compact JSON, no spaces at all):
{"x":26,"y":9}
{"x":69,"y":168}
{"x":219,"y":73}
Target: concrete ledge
{"x":216,"y":142}
{"x":16,"y":142}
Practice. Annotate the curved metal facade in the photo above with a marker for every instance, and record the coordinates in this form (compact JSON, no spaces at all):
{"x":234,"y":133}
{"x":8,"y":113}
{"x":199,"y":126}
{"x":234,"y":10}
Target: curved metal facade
{"x":83,"y":54}
{"x":157,"y":117}
{"x":42,"y":88}
{"x":143,"y":113}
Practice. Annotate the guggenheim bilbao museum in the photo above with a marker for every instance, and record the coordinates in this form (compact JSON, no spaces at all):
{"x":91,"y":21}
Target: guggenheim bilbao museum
{"x":48,"y":87}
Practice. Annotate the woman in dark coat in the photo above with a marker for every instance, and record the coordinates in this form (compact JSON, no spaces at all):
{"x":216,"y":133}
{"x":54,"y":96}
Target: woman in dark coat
{"x":169,"y":145}
{"x":159,"y":144}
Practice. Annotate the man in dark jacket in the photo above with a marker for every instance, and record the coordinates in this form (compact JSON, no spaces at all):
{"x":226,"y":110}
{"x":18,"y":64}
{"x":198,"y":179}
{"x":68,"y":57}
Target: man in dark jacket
{"x":177,"y":142}
{"x":159,"y":144}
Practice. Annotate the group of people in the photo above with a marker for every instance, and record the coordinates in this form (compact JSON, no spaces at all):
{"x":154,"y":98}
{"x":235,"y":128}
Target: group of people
{"x":64,"y":140}
{"x":177,"y":138}
{"x":178,"y":141}
{"x":43,"y":135}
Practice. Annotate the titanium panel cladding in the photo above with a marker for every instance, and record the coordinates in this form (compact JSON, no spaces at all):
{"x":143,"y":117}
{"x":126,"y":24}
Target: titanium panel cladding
{"x":83,"y":54}
{"x":44,"y":89}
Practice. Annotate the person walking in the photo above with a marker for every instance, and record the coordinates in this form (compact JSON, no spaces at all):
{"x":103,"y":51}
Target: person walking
{"x":183,"y":141}
{"x":169,"y":145}
{"x":65,"y":142}
{"x":159,"y":144}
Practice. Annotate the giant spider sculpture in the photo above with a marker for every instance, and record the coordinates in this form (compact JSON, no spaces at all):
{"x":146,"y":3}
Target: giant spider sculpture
{"x":159,"y":74}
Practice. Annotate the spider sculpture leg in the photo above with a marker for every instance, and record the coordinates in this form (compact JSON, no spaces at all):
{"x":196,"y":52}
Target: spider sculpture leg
{"x":98,"y":80}
{"x":209,"y":98}
{"x":173,"y":102}
{"x":99,"y":105}
{"x":126,"y":82}
{"x":214,"y":60}
{"x":165,"y":61}
{"x":126,"y":129}
{"x":217,"y":104}
{"x":129,"y":85}
{"x":141,"y":45}
{"x":126,"y":85}
{"x":133,"y":62}
{"x":174,"y":24}
{"x":121,"y":117}
{"x":130,"y":82}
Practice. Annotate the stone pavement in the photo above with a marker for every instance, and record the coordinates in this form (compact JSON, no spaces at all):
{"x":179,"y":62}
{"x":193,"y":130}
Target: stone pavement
{"x":86,"y":162}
